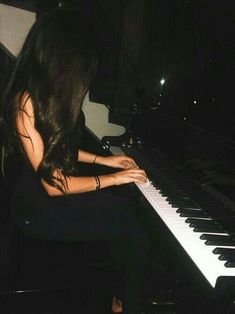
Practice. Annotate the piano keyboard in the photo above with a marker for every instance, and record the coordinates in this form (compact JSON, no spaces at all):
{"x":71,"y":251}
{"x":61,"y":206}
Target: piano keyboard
{"x":201,"y":254}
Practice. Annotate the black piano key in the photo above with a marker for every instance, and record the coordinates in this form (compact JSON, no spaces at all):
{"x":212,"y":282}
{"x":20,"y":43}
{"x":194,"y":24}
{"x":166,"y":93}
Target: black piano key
{"x":229,"y":264}
{"x":223,"y":250}
{"x":174,"y":199}
{"x":212,"y":229}
{"x":196,"y":221}
{"x":205,"y":223}
{"x":184,"y":199}
{"x":168,"y":193}
{"x":214,"y":239}
{"x":170,"y":196}
{"x":223,"y":257}
{"x":229,"y":258}
{"x":227,"y":242}
{"x":208,"y":225}
{"x":229,"y":225}
{"x":163,"y":183}
{"x":226,"y":257}
{"x":193,"y":208}
{"x":205,"y":236}
{"x":192,"y":213}
{"x":177,"y":202}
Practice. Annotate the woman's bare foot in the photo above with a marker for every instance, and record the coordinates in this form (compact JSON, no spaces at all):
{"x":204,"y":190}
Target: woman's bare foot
{"x":116,"y":305}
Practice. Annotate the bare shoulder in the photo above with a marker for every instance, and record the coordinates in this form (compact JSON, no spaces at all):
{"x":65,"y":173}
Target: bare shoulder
{"x":25,"y":115}
{"x":25,"y":106}
{"x":30,"y":138}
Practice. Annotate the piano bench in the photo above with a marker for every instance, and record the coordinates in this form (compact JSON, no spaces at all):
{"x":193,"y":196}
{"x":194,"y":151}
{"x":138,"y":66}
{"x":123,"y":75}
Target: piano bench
{"x":48,"y":277}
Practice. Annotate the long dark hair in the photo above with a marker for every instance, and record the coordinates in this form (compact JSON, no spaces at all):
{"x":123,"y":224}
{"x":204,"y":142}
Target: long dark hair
{"x":54,"y":68}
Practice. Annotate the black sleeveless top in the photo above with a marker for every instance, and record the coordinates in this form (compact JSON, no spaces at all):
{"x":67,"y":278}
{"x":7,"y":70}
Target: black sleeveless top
{"x":29,"y":194}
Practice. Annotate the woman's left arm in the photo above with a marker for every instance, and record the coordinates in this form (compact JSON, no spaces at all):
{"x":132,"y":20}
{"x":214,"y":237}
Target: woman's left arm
{"x":122,"y":162}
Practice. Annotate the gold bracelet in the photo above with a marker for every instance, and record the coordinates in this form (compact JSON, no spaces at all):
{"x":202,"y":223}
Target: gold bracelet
{"x":95,"y":159}
{"x":97,"y":182}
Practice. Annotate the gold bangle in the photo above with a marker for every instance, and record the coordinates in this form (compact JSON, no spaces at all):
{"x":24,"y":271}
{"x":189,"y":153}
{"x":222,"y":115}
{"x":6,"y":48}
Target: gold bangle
{"x":95,"y":159}
{"x":97,"y":182}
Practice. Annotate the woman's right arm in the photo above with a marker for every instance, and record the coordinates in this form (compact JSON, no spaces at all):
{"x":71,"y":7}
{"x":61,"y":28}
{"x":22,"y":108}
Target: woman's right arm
{"x":34,"y":148}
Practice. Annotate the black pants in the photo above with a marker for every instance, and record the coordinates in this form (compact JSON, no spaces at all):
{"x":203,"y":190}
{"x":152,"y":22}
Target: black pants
{"x":88,"y":216}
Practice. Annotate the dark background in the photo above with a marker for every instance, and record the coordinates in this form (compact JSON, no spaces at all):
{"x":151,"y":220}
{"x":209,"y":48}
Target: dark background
{"x":188,"y":43}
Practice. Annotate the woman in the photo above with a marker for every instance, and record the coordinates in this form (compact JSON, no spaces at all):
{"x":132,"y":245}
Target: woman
{"x":39,"y":115}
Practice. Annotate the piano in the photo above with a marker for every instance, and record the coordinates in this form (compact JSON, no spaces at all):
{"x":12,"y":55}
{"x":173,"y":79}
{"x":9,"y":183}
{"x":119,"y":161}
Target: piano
{"x":193,"y":226}
{"x":192,"y":230}
{"x":187,"y":115}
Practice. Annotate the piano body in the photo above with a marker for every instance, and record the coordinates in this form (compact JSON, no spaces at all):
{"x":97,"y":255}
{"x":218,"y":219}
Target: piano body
{"x":192,"y":230}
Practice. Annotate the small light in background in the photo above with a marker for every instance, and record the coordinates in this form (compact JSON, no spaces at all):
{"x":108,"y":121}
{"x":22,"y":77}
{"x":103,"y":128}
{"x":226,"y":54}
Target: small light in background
{"x":162,"y":81}
{"x":185,"y":118}
{"x":195,"y":102}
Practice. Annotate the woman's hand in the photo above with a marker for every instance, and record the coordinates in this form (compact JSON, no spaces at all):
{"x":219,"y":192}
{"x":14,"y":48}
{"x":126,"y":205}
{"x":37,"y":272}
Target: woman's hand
{"x":129,"y":176}
{"x":122,"y":162}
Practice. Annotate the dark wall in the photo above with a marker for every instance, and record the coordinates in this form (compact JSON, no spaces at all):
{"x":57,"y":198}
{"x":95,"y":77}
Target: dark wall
{"x":188,"y":43}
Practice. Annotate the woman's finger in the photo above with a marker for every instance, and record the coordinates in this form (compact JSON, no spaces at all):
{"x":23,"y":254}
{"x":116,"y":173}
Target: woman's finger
{"x":139,"y":174}
{"x":131,"y":163}
{"x":140,"y":179}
